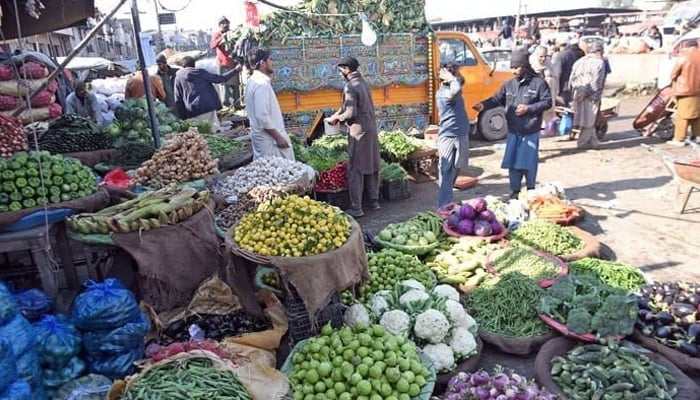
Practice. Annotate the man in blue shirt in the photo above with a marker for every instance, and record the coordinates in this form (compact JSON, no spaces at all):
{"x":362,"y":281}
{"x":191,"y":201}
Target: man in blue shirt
{"x":83,"y":103}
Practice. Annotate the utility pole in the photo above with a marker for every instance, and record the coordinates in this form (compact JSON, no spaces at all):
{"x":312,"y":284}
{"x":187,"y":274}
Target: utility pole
{"x":161,"y":39}
{"x":521,"y":6}
{"x":149,"y":94}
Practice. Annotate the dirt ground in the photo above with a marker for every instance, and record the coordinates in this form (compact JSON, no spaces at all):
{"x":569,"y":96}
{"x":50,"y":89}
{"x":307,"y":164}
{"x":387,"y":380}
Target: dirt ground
{"x":628,"y":193}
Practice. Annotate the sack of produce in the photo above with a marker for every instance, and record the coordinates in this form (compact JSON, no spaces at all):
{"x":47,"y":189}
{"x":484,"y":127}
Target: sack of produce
{"x":57,"y":340}
{"x":53,"y":379}
{"x":505,"y":309}
{"x":123,"y":339}
{"x":8,"y":307}
{"x":7,"y":364}
{"x":18,"y":390}
{"x":20,"y":88}
{"x":7,"y":73}
{"x":104,"y":305}
{"x":8,"y":103}
{"x":88,"y":387}
{"x":500,"y":384}
{"x":587,"y":309}
{"x":33,"y":304}
{"x":115,"y":366}
{"x":33,"y":70}
{"x":572,"y":370}
{"x":29,"y":368}
{"x":21,"y":333}
{"x":195,"y":375}
{"x":43,"y":99}
{"x":667,"y":322}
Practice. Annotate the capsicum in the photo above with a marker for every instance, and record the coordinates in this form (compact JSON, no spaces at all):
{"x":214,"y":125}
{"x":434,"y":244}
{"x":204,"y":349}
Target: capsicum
{"x":57,"y":180}
{"x":55,"y":198}
{"x":15,"y":206}
{"x":16,"y":196}
{"x":14,"y":165}
{"x":34,"y":182}
{"x":55,"y":191}
{"x":20,"y":173}
{"x":32,"y":172}
{"x":33,"y":165}
{"x":70,"y":178}
{"x":65,"y":197}
{"x":41,"y":191}
{"x":4,"y":208}
{"x":20,"y":182}
{"x":57,"y":169}
{"x":73,"y":187}
{"x":29,"y":203}
{"x":8,"y":187}
{"x":22,"y":158}
{"x":8,"y":175}
{"x":28,"y":192}
{"x":4,"y":198}
{"x":42,"y":200}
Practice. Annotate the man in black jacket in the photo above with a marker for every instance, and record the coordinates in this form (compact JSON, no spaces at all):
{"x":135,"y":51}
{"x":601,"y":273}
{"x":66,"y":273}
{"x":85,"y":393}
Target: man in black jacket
{"x":167,"y":75}
{"x":565,"y":62}
{"x":525,"y":98}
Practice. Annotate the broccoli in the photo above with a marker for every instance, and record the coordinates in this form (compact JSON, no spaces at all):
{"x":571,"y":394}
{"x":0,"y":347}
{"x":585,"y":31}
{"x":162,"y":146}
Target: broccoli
{"x":579,"y":321}
{"x":550,"y":305}
{"x":616,"y":316}
{"x":563,"y":289}
{"x":590,"y":302}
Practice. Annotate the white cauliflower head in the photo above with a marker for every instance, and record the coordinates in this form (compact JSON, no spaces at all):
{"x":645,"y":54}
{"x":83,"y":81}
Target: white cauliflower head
{"x":378,"y":303}
{"x":447,"y":292}
{"x":409,"y":284}
{"x":396,"y":322}
{"x":441,"y":355}
{"x":431,"y":325}
{"x":458,"y":317}
{"x":356,"y":314}
{"x":462,"y":343}
{"x":412,"y":297}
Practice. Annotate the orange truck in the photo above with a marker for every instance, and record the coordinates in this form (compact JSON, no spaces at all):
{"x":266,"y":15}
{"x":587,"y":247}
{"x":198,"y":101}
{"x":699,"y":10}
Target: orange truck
{"x":402,"y":70}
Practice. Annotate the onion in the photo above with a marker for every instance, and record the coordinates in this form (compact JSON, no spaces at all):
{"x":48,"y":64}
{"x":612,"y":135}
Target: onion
{"x":479,"y":378}
{"x":481,"y":393}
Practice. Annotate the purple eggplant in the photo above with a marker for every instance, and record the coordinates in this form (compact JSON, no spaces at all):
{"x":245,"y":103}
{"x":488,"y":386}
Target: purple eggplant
{"x":646,"y":315}
{"x":694,"y":299}
{"x":643,"y":302}
{"x":663,"y":332}
{"x":694,"y":332}
{"x":688,"y":348}
{"x":681,"y":310}
{"x":665,"y":318}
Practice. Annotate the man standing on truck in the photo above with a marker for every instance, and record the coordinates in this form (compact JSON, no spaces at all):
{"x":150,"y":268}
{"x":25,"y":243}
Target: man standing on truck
{"x":586,"y":84}
{"x":357,"y":112}
{"x":525,"y":97}
{"x":221,"y":42}
{"x":267,"y":132}
{"x":685,"y":79}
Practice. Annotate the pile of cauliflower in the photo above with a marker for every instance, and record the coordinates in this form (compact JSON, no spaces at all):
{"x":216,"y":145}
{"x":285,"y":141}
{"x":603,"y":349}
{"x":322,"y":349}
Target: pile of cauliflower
{"x":434,"y":319}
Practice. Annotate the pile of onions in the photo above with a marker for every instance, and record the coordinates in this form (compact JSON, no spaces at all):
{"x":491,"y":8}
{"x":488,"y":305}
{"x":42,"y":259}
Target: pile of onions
{"x":499,"y":386}
{"x":12,"y":137}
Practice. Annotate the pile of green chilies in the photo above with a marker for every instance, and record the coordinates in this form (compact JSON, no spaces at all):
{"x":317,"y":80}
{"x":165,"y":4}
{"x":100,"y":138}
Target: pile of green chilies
{"x":506,"y":305}
{"x":615,"y":274}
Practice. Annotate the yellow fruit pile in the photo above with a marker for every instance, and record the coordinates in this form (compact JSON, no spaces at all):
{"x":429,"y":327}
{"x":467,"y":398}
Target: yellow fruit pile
{"x":292,"y":227}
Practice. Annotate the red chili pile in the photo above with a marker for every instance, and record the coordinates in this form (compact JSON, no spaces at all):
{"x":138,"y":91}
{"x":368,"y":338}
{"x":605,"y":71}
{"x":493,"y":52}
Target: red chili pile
{"x":335,"y":178}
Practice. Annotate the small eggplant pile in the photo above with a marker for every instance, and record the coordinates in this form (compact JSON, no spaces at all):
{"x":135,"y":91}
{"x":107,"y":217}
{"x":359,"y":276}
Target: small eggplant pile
{"x":215,"y":327}
{"x":670,"y":313}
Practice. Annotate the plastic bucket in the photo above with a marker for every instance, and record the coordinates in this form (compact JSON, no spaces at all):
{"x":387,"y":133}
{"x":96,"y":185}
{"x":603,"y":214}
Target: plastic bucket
{"x":329,"y":129}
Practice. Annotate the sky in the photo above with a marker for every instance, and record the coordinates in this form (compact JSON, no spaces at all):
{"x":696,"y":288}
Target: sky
{"x":201,"y":14}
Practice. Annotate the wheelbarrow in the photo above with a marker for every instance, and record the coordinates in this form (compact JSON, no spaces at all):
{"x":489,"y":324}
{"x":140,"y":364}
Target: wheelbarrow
{"x":685,"y":172}
{"x":609,"y":108}
{"x":658,"y":116}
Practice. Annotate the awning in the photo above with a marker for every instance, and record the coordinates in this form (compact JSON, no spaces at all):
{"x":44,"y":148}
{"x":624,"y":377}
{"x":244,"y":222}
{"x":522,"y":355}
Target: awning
{"x":94,"y":63}
{"x":58,"y":14}
{"x":632,"y":29}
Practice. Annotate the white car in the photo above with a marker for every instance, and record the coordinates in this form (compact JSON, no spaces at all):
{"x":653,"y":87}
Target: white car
{"x":498,"y":55}
{"x":666,"y":64}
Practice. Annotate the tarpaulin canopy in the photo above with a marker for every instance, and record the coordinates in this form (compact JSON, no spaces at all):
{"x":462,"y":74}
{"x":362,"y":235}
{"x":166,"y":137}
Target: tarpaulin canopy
{"x":57,"y":14}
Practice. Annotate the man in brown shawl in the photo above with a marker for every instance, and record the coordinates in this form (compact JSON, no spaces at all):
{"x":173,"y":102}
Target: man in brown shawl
{"x":586,"y":84}
{"x":357,"y":112}
{"x":686,"y":86}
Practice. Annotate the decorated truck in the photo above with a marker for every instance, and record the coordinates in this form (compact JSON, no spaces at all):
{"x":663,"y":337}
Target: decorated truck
{"x":402,"y":66}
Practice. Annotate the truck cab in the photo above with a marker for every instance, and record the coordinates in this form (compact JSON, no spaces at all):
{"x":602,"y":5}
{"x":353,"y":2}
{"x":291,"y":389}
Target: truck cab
{"x":482,"y":80}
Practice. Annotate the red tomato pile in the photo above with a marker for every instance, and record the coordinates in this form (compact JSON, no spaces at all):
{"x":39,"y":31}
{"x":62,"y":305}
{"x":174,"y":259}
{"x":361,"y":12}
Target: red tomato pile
{"x":335,"y":178}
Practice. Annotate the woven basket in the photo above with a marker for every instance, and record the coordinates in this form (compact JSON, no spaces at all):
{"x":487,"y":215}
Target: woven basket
{"x":492,"y":238}
{"x":561,"y":328}
{"x":412,"y":250}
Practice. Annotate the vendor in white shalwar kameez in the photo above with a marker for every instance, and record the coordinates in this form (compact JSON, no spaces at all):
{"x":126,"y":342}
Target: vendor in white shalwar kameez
{"x":268,"y":136}
{"x":586,"y":82}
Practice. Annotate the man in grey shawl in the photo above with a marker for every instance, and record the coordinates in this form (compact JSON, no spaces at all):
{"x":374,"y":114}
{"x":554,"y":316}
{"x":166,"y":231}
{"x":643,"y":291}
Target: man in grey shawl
{"x":586,"y":84}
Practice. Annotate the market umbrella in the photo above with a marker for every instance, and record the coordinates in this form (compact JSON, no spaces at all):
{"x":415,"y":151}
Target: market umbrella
{"x":58,"y":14}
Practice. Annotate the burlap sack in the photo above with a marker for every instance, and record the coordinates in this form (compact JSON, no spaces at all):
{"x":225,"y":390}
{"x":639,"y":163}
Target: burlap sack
{"x":518,"y":346}
{"x":92,"y":203}
{"x":687,"y":364}
{"x":214,"y":296}
{"x":92,"y":158}
{"x":687,"y":389}
{"x":261,"y":382}
{"x":173,"y":260}
{"x":317,"y":278}
{"x":591,"y":245}
{"x":21,"y":87}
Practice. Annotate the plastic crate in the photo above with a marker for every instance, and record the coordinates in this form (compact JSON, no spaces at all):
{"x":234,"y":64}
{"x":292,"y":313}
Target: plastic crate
{"x":340,"y":198}
{"x":396,"y":190}
{"x":300,"y":326}
{"x":294,"y":305}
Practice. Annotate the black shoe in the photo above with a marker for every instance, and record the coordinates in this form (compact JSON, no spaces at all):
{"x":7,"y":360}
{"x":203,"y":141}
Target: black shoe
{"x":514,"y":195}
{"x":374,"y":205}
{"x":355,"y":213}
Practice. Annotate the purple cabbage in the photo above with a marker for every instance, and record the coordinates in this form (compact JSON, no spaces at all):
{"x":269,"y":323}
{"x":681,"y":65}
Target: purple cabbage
{"x":482,"y":228}
{"x":453,"y":220}
{"x":487,"y":215}
{"x":465,"y":227}
{"x":467,"y":212}
{"x":496,"y":228}
{"x":479,"y":204}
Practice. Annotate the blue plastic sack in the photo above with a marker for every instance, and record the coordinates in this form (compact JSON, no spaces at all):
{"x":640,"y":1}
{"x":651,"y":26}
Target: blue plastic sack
{"x":57,"y":340}
{"x":121,"y":340}
{"x":8,"y":368}
{"x":104,"y":306}
{"x":38,"y":218}
{"x":19,"y":390}
{"x":88,"y":387}
{"x":55,"y":378}
{"x":28,"y":369}
{"x":21,"y":333}
{"x":8,"y":307}
{"x":33,"y":303}
{"x":115,"y":367}
{"x":565,"y":124}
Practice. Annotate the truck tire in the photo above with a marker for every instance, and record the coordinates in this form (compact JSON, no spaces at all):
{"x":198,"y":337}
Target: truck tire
{"x":492,"y":124}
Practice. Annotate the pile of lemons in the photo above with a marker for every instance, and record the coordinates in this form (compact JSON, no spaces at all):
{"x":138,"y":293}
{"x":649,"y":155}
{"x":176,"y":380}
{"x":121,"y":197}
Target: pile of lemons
{"x":294,"y":226}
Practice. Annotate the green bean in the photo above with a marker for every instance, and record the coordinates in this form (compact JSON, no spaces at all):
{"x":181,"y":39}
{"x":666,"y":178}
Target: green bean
{"x":507,"y":305}
{"x":615,"y":274}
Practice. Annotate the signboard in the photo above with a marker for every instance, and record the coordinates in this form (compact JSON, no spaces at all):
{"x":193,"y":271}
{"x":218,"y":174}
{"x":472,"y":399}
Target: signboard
{"x":166,"y":18}
{"x":251,"y":14}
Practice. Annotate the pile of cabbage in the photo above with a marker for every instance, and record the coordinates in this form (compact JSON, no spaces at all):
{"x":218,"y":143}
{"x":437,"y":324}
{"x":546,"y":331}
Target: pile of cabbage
{"x":434,"y":319}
